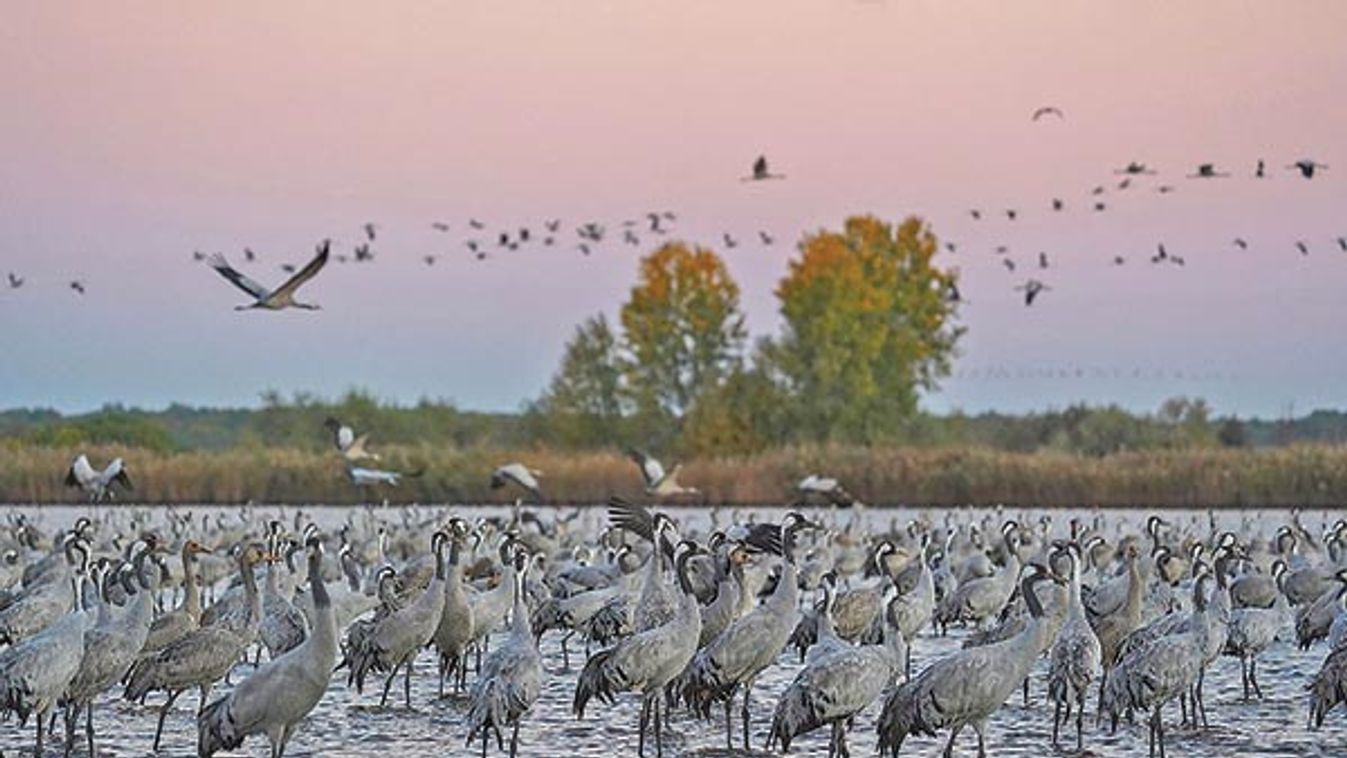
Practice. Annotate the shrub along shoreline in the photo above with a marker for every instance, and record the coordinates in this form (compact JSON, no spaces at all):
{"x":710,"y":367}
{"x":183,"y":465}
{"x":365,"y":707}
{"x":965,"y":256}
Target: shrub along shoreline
{"x":1298,"y":475}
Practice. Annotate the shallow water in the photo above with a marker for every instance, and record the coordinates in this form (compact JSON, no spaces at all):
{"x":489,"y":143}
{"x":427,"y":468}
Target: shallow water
{"x":348,"y":724}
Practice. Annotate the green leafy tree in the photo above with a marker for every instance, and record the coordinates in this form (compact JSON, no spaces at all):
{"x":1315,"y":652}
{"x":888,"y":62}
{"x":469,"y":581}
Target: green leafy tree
{"x":683,"y":329}
{"x":585,"y":402}
{"x":869,"y":323}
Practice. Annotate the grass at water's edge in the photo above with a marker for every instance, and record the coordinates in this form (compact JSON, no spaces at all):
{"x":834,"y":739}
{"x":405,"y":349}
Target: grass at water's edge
{"x":1305,"y":475}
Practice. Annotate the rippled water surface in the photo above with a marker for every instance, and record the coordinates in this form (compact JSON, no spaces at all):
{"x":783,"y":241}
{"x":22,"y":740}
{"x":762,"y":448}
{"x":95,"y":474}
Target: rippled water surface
{"x":349,"y":724}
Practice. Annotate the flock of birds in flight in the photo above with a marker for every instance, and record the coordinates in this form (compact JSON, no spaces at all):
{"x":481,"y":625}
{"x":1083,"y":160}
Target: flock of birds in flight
{"x":481,"y":243}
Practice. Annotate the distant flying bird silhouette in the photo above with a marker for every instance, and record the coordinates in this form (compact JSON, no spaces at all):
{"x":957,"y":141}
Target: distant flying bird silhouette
{"x":655,"y":220}
{"x":429,"y":259}
{"x":766,"y":238}
{"x":287,"y":268}
{"x":281,"y":297}
{"x":363,"y":253}
{"x":77,"y":286}
{"x":1011,"y":213}
{"x":1306,"y":167}
{"x":1241,"y":243}
{"x":524,"y":234}
{"x":549,"y":240}
{"x":1207,"y":171}
{"x":1031,"y":290}
{"x":1177,"y":260}
{"x":630,"y":237}
{"x":584,"y":248}
{"x":503,"y":240}
{"x":1048,"y":110}
{"x":952,"y":294}
{"x":439,"y":226}
{"x":1009,"y":264}
{"x":472,"y":245}
{"x":976,"y":214}
{"x":249,"y":255}
{"x":1342,"y":243}
{"x":1097,"y":190}
{"x":1302,"y":247}
{"x":950,"y":246}
{"x":730,"y":242}
{"x":1042,"y":260}
{"x":1258,"y":171}
{"x":1160,"y":253}
{"x":1099,"y":206}
{"x":761,"y":172}
{"x":1125,"y":183}
{"x":1057,"y":204}
{"x":475,"y":224}
{"x":370,"y":228}
{"x":1002,"y":249}
{"x":1118,"y":260}
{"x":1134,"y":168}
{"x":197,"y":255}
{"x":15,"y":281}
{"x":553,"y":226}
{"x":1164,"y":189}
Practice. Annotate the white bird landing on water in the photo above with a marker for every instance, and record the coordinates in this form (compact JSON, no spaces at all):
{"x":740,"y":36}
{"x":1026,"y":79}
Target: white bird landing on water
{"x":657,"y":481}
{"x":825,"y":487}
{"x":283,"y":296}
{"x":98,"y":484}
{"x":519,"y":474}
{"x":369,"y":477}
{"x":351,"y":447}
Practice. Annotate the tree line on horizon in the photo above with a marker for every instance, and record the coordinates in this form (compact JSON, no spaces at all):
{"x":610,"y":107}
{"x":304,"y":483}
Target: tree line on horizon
{"x":870,"y":323}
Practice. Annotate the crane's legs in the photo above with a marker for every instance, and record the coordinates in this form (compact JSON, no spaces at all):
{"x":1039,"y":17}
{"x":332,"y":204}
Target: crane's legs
{"x":407,"y":681}
{"x":729,"y":723}
{"x":163,"y":711}
{"x":514,"y":739}
{"x":659,"y":728}
{"x":1056,"y":720}
{"x":1244,"y":676}
{"x":640,"y":729}
{"x":388,"y":684}
{"x":1080,"y":721}
{"x":949,"y":746}
{"x":89,"y":729}
{"x":565,"y":654}
{"x":748,"y":692}
{"x":38,"y":752}
{"x":1253,"y":678}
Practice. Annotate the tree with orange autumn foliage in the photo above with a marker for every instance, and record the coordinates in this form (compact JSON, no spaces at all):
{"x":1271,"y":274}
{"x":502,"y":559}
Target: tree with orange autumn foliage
{"x":868,"y":324}
{"x":683,"y":330}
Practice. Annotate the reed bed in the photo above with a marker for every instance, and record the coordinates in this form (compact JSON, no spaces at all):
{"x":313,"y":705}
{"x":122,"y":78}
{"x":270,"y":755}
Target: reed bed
{"x":1304,"y":475}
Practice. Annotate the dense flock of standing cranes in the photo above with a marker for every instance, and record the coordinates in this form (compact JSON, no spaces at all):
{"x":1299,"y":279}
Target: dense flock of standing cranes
{"x":1128,"y":617}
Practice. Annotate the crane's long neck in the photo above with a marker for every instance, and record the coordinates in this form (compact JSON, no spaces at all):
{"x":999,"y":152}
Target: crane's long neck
{"x":1135,"y":585}
{"x":325,"y":623}
{"x":251,"y":594}
{"x":191,"y":600}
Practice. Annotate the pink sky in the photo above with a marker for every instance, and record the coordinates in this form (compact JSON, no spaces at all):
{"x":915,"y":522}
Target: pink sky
{"x":136,"y":132}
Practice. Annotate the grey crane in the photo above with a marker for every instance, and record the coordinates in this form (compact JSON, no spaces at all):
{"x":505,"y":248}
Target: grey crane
{"x":659,"y":482}
{"x":912,"y":610}
{"x":283,"y":296}
{"x":111,"y":647}
{"x":511,"y":678}
{"x":174,"y":625}
{"x":36,"y":672}
{"x":837,"y":682}
{"x":751,"y":643}
{"x":453,"y":634}
{"x":1076,"y":659}
{"x":1152,"y":675}
{"x":279,"y":694}
{"x":47,"y":596}
{"x":978,"y":600}
{"x":1253,"y":630}
{"x":647,"y":661}
{"x":1329,"y":687}
{"x":392,"y":642}
{"x":966,"y":687}
{"x":204,"y":656}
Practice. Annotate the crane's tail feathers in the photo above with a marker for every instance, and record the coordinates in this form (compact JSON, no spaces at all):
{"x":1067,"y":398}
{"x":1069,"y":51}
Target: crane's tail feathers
{"x":601,"y":679}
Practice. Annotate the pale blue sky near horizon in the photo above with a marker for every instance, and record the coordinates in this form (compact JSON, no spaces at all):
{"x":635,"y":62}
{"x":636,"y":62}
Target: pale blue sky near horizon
{"x":138,"y":132}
